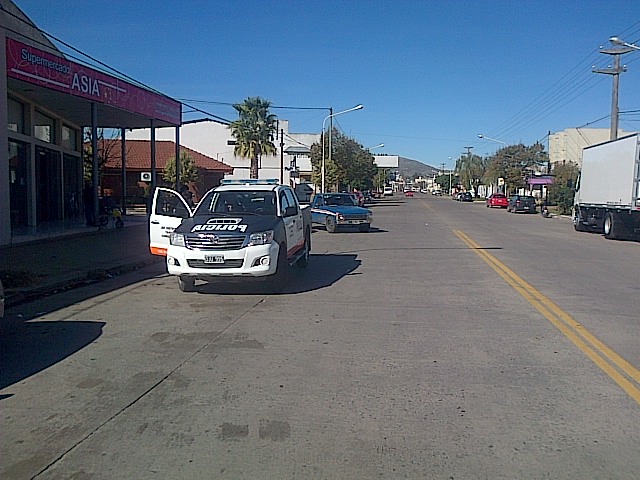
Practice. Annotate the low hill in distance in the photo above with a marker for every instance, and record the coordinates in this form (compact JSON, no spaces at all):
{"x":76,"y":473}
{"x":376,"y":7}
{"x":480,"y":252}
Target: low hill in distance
{"x":412,"y":168}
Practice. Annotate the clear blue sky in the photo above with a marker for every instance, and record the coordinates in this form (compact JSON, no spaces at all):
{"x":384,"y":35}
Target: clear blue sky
{"x":430,"y":74}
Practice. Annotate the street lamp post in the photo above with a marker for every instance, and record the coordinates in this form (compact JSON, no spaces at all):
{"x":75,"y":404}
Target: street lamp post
{"x":618,"y":41}
{"x":480,"y":135}
{"x":357,"y":107}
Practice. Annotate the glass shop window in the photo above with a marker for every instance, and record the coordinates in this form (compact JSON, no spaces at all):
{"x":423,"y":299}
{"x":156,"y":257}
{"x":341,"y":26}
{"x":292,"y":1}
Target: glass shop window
{"x":44,"y":127}
{"x":16,"y":116}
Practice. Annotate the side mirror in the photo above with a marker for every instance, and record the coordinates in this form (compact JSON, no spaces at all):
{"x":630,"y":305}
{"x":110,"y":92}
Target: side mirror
{"x":290,"y":211}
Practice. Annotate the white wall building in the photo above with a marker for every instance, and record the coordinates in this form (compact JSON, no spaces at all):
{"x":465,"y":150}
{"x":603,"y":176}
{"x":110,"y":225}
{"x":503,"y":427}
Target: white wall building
{"x":567,"y":145}
{"x":214,"y":139}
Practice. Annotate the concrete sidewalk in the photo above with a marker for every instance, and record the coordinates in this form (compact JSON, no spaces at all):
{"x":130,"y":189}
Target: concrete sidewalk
{"x":49,"y":265}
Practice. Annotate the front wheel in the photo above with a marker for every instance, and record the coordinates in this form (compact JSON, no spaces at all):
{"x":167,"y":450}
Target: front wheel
{"x":186,"y":284}
{"x":279,"y":279}
{"x":330,"y":224}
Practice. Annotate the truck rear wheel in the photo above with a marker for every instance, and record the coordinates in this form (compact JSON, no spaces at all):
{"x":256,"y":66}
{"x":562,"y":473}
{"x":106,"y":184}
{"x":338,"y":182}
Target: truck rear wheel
{"x":610,"y":226}
{"x":186,"y":284}
{"x":303,"y":261}
{"x":614,"y":228}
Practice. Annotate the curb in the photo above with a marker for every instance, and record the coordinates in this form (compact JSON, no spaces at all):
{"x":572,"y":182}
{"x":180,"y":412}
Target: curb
{"x":89,"y":278}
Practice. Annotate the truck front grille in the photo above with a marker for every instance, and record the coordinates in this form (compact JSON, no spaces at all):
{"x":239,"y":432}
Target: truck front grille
{"x":194,"y":263}
{"x":210,"y":241}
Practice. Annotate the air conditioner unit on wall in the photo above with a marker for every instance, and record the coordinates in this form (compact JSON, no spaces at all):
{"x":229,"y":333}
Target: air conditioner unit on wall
{"x":145,"y":176}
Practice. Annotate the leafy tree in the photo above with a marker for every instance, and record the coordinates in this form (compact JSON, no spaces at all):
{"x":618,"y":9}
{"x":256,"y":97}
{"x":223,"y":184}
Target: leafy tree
{"x":253,"y":131}
{"x":188,"y":170}
{"x":446,"y":181}
{"x":471,"y":169}
{"x":562,"y":191}
{"x":514,"y":163}
{"x":350,"y":166}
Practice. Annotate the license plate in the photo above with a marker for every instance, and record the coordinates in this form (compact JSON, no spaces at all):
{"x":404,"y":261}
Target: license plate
{"x":213,"y":259}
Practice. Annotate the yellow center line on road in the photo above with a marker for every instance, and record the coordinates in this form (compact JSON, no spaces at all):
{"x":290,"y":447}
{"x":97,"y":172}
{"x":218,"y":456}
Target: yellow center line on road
{"x":616,"y":366}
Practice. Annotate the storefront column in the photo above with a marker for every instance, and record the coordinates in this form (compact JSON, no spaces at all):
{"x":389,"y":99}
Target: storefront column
{"x":178,"y":185}
{"x":94,"y":160}
{"x":5,"y":213}
{"x":152,"y":189}
{"x":123,"y":171}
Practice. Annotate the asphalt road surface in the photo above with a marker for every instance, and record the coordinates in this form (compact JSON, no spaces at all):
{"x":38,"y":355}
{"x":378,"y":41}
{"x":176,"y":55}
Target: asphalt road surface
{"x":451,"y":342}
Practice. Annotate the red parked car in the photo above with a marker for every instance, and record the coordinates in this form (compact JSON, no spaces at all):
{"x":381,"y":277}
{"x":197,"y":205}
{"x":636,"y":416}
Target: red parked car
{"x":497,"y":200}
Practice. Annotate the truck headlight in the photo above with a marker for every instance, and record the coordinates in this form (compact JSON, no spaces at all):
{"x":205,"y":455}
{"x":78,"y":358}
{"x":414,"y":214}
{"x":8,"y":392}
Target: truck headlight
{"x":261,"y":238}
{"x":177,"y":239}
{"x":369,"y":217}
{"x":340,"y":217}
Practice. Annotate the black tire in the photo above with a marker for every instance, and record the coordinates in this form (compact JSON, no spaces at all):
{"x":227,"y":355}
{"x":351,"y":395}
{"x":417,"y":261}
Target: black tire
{"x":577,"y":221}
{"x":613,"y":227}
{"x":186,"y":284}
{"x":364,"y":227}
{"x":103,"y":220}
{"x":119,"y":223}
{"x":279,"y":279}
{"x":330,"y":224}
{"x":303,"y":261}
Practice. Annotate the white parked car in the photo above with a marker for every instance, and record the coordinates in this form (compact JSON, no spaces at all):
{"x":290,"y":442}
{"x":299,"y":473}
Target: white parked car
{"x":388,"y":191}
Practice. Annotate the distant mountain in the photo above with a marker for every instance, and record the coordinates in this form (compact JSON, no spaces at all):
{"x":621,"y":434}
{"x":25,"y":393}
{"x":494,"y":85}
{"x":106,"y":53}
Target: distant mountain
{"x":412,"y":168}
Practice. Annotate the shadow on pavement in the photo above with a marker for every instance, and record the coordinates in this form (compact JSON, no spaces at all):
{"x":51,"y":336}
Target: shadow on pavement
{"x":35,"y":346}
{"x":322,"y":271}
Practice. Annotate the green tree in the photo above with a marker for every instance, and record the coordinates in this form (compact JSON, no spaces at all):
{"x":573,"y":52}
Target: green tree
{"x":562,"y":191}
{"x":446,"y":181}
{"x":515,"y":163}
{"x":188,"y":170}
{"x":253,"y":131}
{"x":471,"y":169}
{"x":350,"y":166}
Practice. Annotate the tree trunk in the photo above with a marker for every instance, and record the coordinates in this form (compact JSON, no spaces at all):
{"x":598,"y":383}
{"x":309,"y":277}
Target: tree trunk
{"x":253,"y":170}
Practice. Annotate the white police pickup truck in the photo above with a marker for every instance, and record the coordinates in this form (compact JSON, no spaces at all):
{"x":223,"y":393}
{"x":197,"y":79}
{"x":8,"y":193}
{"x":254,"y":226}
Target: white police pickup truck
{"x":243,"y":228}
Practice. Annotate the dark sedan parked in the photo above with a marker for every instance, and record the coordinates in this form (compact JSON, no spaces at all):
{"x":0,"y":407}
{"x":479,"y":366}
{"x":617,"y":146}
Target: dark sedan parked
{"x":522,"y":203}
{"x":466,"y":197}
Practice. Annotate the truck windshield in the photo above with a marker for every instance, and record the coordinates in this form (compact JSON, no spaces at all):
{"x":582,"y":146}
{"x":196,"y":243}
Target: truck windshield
{"x":253,"y":202}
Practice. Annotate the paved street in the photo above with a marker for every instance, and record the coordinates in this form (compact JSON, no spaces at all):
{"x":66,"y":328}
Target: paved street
{"x":450,"y":342}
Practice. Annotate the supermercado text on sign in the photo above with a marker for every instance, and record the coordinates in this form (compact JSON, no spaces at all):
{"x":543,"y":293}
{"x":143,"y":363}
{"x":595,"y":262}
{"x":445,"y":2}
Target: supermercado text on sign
{"x":35,"y":66}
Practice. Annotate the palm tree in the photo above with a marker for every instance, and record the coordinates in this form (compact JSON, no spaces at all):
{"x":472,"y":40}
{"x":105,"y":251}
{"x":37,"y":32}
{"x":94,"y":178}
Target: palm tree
{"x":253,"y":131}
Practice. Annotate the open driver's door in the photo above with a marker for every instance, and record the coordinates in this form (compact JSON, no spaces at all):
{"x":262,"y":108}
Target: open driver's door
{"x":168,"y":210}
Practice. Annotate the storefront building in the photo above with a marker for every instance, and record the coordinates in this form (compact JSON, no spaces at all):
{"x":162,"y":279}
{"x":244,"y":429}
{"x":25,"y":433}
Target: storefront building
{"x":48,"y":101}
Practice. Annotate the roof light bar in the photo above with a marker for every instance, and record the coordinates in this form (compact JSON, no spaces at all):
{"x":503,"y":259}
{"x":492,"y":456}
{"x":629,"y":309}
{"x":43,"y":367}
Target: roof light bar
{"x":250,"y":181}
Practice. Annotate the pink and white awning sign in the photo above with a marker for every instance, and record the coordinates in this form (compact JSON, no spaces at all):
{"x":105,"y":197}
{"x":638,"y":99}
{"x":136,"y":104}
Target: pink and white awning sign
{"x":35,"y":66}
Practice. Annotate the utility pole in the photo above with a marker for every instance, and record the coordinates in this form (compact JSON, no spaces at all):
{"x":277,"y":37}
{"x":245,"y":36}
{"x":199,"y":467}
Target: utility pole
{"x":615,"y":72}
{"x":281,"y":156}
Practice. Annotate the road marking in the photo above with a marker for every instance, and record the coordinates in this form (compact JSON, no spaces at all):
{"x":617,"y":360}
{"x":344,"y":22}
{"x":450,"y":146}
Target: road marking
{"x":609,"y":361}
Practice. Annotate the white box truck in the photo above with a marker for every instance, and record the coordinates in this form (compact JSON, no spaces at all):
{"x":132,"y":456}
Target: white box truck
{"x":607,"y":198}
